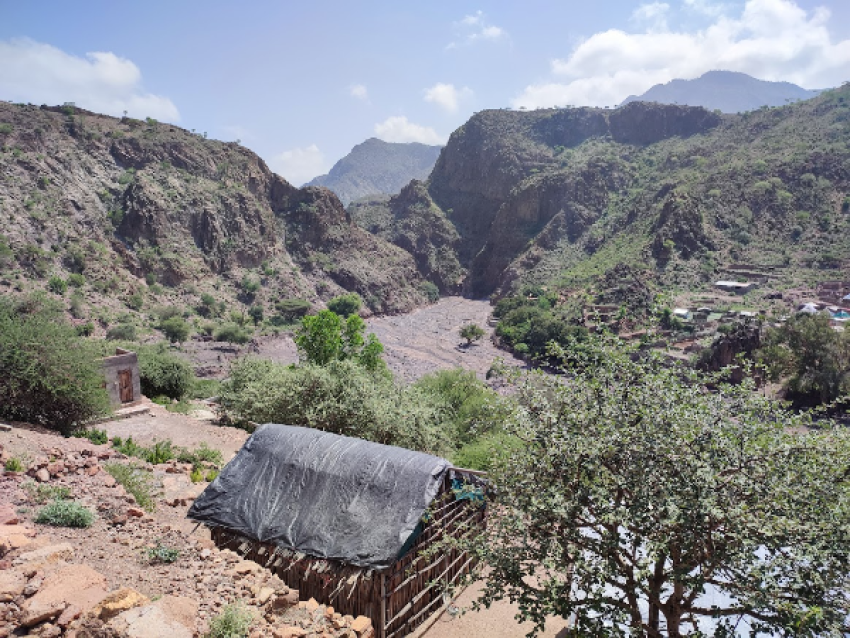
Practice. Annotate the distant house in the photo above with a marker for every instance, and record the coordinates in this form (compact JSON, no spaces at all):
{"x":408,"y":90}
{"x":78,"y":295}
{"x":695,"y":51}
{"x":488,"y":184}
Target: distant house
{"x":122,"y":381}
{"x":737,"y":287}
{"x":682,"y":313}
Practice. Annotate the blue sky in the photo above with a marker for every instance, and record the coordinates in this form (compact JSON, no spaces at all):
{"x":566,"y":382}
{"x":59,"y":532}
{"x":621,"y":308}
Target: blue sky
{"x":301,"y":83}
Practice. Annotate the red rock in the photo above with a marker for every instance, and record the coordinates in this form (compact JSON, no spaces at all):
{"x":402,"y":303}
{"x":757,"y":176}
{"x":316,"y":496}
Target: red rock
{"x":288,"y":631}
{"x":7,"y":515}
{"x":55,"y":469}
{"x":42,"y":476}
{"x":12,"y":584}
{"x":94,"y":469}
{"x":109,"y":481}
{"x":71,"y":613}
{"x":77,"y":585}
{"x":135,"y":511}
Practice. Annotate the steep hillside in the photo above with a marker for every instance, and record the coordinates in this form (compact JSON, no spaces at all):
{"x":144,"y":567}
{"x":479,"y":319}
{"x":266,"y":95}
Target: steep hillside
{"x":727,"y":91}
{"x":376,"y":167}
{"x":564,"y":195}
{"x":152,"y":214}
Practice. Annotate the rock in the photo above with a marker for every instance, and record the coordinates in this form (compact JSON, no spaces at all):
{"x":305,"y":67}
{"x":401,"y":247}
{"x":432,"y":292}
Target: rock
{"x":170,"y":616}
{"x":94,"y":469}
{"x":49,"y":631}
{"x":108,"y":481}
{"x":284,"y":601}
{"x":8,"y":515}
{"x":56,"y":468}
{"x":15,"y":537}
{"x":361,"y":624}
{"x":311,"y":605}
{"x":118,"y":602}
{"x":42,"y":476}
{"x":288,"y":631}
{"x":77,"y":585}
{"x":71,"y":613}
{"x":246,"y":567}
{"x":264,"y":594}
{"x":45,"y":555}
{"x":12,"y":584}
{"x":135,"y":511}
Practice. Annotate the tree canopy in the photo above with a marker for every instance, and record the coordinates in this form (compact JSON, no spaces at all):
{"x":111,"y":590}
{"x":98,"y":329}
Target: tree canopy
{"x":642,"y":504}
{"x":326,"y":337}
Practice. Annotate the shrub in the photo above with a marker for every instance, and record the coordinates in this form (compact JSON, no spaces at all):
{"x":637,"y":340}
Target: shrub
{"x":122,"y":332}
{"x":430,"y":290}
{"x":291,"y":309}
{"x":345,"y":305}
{"x":160,"y":553}
{"x":485,"y":452}
{"x":95,"y":436}
{"x":85,"y":329}
{"x":13,"y":464}
{"x":250,"y":286}
{"x":175,"y":329}
{"x":163,"y":373}
{"x":233,"y":622}
{"x":57,"y":285}
{"x":471,"y":332}
{"x":135,"y":301}
{"x":197,"y":475}
{"x":256,"y":313}
{"x":61,"y":513}
{"x":232,"y":333}
{"x":48,"y":374}
{"x":44,"y":493}
{"x":136,"y":481}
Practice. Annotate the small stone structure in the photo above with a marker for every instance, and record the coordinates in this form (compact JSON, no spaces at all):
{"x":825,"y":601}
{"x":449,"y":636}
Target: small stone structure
{"x":121,"y":378}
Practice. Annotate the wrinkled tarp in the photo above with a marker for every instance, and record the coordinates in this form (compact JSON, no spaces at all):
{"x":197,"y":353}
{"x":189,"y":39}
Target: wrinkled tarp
{"x":326,"y":495}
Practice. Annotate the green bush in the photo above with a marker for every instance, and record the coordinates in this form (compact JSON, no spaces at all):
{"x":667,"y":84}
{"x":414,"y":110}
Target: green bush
{"x":345,"y":305}
{"x":233,"y":622}
{"x":163,"y":373}
{"x":471,"y":332}
{"x":292,"y":309}
{"x":48,"y":374}
{"x":175,"y":329}
{"x":85,"y":329}
{"x":160,"y":553}
{"x":136,"y":481}
{"x":344,"y":397}
{"x":483,"y":453}
{"x":122,"y":332}
{"x":256,"y":313}
{"x":135,"y":301}
{"x":64,"y":514}
{"x":232,"y":333}
{"x":430,"y":290}
{"x":95,"y":436}
{"x":44,"y":493}
{"x":57,"y":285}
{"x":13,"y":464}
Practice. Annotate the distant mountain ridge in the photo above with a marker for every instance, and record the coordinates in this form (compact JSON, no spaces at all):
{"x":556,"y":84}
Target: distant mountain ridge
{"x":377,"y":167}
{"x":727,"y":91}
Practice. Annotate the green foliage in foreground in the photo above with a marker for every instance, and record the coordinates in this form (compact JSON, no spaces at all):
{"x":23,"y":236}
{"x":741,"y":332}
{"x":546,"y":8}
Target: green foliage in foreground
{"x":43,"y":493}
{"x":62,"y":513}
{"x":233,"y":622}
{"x":635,"y":489}
{"x":48,"y":374}
{"x":471,"y":332}
{"x":160,"y":553}
{"x":527,"y":324}
{"x":326,"y":337}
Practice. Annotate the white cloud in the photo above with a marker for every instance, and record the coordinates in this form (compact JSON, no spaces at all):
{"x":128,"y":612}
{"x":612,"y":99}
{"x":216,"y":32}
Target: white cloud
{"x":475,"y":28}
{"x":653,"y":16}
{"x":299,"y":165}
{"x":399,"y":129}
{"x":446,"y":96}
{"x":770,"y":40}
{"x":103,"y":82}
{"x":359,"y":91}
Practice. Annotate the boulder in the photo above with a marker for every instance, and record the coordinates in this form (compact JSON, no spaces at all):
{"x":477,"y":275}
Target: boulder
{"x":361,"y":625}
{"x":8,"y":515}
{"x":46,"y":555}
{"x":12,"y":585}
{"x":117,"y":602}
{"x":15,"y":537}
{"x":70,"y":585}
{"x":170,"y":616}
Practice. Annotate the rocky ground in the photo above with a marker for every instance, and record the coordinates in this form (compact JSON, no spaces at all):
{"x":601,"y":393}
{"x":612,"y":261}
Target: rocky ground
{"x":134,"y":572}
{"x":416,"y":343}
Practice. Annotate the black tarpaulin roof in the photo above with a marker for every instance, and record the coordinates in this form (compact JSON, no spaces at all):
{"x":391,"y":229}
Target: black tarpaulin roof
{"x":326,"y":495}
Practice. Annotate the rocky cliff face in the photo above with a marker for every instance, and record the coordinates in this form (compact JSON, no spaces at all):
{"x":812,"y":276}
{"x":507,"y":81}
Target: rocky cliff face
{"x":125,"y":199}
{"x":377,"y":167}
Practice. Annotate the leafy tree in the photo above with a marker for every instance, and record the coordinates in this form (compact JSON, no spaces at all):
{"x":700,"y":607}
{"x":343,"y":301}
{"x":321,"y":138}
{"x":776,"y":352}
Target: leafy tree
{"x":471,"y":332}
{"x":122,"y":332}
{"x":163,"y":373}
{"x":256,"y":313}
{"x":291,"y":309}
{"x":814,"y":356}
{"x":232,"y":333}
{"x":175,"y":329}
{"x":48,"y":374}
{"x":642,"y":505}
{"x":57,"y":285}
{"x":325,"y":337}
{"x":345,"y":305}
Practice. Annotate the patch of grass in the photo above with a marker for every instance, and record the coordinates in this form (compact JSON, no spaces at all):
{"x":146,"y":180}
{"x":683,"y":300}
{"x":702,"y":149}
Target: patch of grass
{"x":205,"y":388}
{"x":201,"y":454}
{"x":160,"y":553}
{"x":211,"y":476}
{"x":65,"y":514}
{"x":136,"y":481}
{"x":233,"y":622}
{"x":197,"y":475}
{"x":14,"y":464}
{"x":95,"y":436}
{"x":43,"y":493}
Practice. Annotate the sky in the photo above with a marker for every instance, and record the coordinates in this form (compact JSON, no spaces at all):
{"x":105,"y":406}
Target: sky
{"x":301,"y":83}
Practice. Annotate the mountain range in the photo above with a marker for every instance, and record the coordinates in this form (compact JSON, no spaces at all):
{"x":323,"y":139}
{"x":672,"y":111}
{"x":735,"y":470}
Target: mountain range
{"x":725,"y":91}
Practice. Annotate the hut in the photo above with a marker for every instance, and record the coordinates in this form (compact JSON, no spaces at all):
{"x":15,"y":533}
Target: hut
{"x":121,"y":378}
{"x":351,"y":523}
